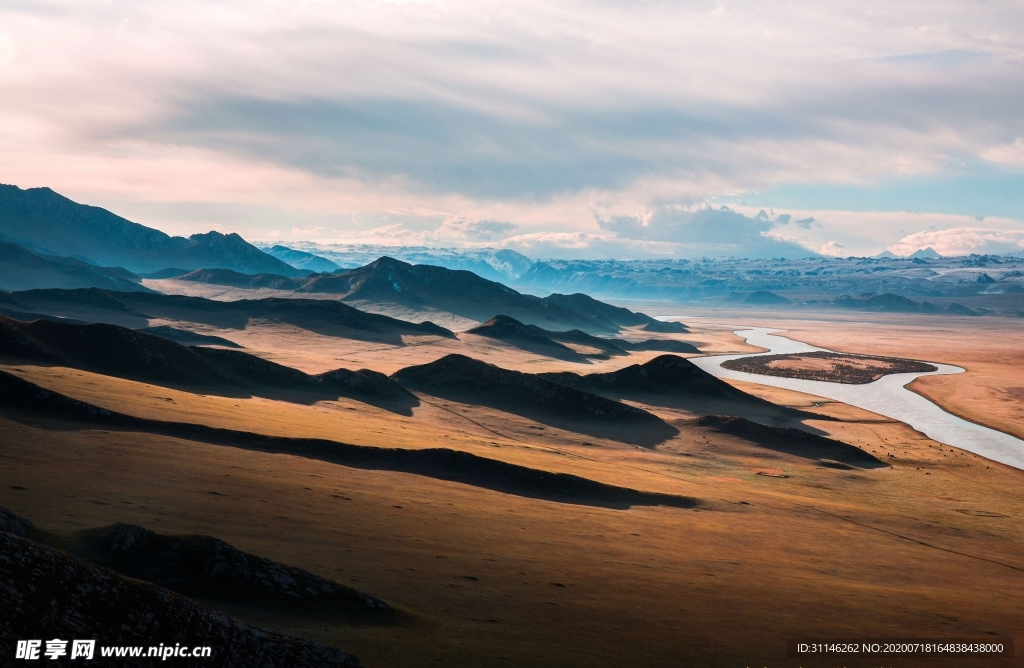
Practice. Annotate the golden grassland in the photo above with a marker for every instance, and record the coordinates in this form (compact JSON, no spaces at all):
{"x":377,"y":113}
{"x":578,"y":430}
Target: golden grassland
{"x":930,"y":547}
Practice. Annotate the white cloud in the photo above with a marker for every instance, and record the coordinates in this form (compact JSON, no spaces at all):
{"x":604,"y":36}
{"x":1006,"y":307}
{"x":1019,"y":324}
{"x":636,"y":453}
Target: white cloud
{"x":1012,"y":153}
{"x":833,"y":248}
{"x":962,"y":241}
{"x":464,"y":229}
{"x":307,"y":231}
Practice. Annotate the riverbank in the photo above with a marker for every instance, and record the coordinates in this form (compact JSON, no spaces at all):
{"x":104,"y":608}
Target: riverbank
{"x":887,"y":396}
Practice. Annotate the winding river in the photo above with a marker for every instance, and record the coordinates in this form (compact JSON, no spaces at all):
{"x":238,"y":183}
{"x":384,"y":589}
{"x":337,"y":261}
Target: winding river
{"x":886,"y":396}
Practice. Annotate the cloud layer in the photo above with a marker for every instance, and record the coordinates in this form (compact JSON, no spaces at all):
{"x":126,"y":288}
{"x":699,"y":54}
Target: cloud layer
{"x":466,"y":122}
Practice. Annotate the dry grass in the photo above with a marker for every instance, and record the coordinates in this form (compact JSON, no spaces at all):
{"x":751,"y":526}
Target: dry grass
{"x":928,"y":548}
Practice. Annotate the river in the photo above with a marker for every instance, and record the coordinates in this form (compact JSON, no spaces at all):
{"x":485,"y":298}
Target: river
{"x":886,"y":396}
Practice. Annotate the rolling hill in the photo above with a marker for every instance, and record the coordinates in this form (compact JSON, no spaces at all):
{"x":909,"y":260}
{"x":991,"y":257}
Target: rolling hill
{"x":125,"y":353}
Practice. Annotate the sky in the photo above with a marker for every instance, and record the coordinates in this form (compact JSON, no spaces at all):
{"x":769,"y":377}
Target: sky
{"x":558,"y":128}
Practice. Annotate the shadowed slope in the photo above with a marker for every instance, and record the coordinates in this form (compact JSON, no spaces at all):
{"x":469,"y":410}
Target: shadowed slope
{"x":57,"y":595}
{"x":211,"y":570}
{"x":660,"y":345}
{"x":323,"y":316}
{"x":587,"y":305}
{"x":439,"y":463}
{"x":108,"y":349}
{"x":673,"y":381}
{"x":539,"y":398}
{"x":793,"y":442}
{"x":20,"y":269}
{"x":187,"y":337}
{"x":546,"y":342}
{"x":125,"y":353}
{"x":237,"y":279}
{"x":527,"y":337}
{"x":665,"y":374}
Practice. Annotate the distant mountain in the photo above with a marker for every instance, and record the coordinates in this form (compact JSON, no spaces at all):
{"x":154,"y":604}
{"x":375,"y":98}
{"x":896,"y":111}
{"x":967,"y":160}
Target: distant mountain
{"x":885,"y":255}
{"x":22,"y":269}
{"x":925,"y":254}
{"x":500,"y":265}
{"x":301,"y":259}
{"x":766,"y":298}
{"x":897,"y":304}
{"x":463,"y":293}
{"x":885,"y":302}
{"x":51,"y":224}
{"x":240,"y":280}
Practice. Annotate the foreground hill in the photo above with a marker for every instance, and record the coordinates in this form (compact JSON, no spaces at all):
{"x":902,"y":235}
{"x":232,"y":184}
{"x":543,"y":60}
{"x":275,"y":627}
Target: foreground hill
{"x":46,"y":222}
{"x":131,"y":309}
{"x":209,"y":569}
{"x":462,"y":293}
{"x":57,"y":595}
{"x":22,"y":269}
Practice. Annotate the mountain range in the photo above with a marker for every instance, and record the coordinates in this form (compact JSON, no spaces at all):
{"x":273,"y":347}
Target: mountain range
{"x":387,"y":281}
{"x":48,"y":223}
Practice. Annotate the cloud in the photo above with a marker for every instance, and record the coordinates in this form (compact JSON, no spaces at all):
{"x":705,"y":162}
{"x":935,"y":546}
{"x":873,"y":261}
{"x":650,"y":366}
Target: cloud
{"x":308,"y":231}
{"x":833,"y":248}
{"x":463,"y":229}
{"x":584,"y":245}
{"x":1012,"y":154}
{"x":962,"y":241}
{"x":709,"y":231}
{"x":333,"y":115}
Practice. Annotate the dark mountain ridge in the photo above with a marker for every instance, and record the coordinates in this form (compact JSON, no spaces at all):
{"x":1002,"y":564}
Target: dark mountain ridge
{"x":49,"y":223}
{"x":463,"y":293}
{"x":22,"y":269}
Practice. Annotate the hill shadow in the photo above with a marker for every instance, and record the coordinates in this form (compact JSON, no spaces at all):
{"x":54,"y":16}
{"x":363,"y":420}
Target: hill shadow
{"x":793,"y":442}
{"x":439,"y":463}
{"x":466,"y":380}
{"x":133,"y":355}
{"x":676,"y":382}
